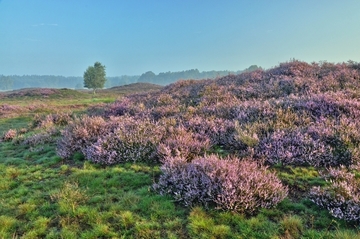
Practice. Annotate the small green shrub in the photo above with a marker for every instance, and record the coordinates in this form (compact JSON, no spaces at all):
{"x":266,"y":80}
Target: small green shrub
{"x":292,"y":227}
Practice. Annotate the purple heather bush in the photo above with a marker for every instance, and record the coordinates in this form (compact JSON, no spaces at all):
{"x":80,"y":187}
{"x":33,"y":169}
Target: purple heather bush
{"x":78,"y":135}
{"x":184,"y":144}
{"x":6,"y":110}
{"x":254,"y":110}
{"x":9,"y":135}
{"x":220,"y":131}
{"x":294,"y":148}
{"x":293,"y":114}
{"x":245,"y":186}
{"x":161,"y":112}
{"x":187,"y":182}
{"x":132,"y":140}
{"x":49,"y":136}
{"x":51,"y":120}
{"x":342,"y":197}
{"x":230,"y":184}
{"x":125,"y":106}
{"x":187,"y":91}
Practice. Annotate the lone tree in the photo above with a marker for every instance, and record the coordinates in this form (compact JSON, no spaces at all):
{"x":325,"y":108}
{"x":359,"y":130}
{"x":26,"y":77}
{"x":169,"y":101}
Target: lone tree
{"x":94,"y":77}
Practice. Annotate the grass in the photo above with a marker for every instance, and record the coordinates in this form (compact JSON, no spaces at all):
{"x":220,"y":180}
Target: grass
{"x":43,"y":196}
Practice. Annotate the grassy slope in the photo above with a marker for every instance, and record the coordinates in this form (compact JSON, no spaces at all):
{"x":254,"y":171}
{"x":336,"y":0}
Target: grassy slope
{"x":43,"y":196}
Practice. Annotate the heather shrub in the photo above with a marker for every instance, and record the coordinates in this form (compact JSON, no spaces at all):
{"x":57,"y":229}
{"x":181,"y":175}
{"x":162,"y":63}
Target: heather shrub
{"x":338,"y":76}
{"x":253,"y":110}
{"x":287,"y":118}
{"x":293,"y":68}
{"x":294,"y":148}
{"x":342,"y":197}
{"x":7,"y":110}
{"x":186,"y":91}
{"x":80,"y":134}
{"x":125,"y":106}
{"x":188,"y":183}
{"x":10,"y":135}
{"x":164,"y":112}
{"x":40,"y":138}
{"x":230,"y":184}
{"x":337,"y":137}
{"x":220,"y":131}
{"x":217,"y":95}
{"x":183,"y":143}
{"x":48,"y":121}
{"x":132,"y":140}
{"x":245,"y":186}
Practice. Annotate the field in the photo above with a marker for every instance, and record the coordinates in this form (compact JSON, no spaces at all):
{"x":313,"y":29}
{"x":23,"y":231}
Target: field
{"x":134,"y":161}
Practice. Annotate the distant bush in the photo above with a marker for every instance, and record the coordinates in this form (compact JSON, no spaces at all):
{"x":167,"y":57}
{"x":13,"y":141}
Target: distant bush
{"x":342,"y":197}
{"x":9,"y":135}
{"x":6,"y":109}
{"x":230,"y":184}
{"x":41,"y":138}
{"x":48,"y":121}
{"x":123,"y":107}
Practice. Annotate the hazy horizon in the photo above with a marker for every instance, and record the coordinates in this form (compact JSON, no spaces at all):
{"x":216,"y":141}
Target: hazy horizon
{"x":40,"y":37}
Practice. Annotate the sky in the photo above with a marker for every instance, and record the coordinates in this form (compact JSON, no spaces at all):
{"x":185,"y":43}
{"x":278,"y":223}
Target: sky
{"x":130,"y":37}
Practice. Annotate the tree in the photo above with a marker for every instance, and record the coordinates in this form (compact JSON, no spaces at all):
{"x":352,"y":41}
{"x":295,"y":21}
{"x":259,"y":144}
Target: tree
{"x":95,"y":77}
{"x":6,"y":83}
{"x":148,"y":76}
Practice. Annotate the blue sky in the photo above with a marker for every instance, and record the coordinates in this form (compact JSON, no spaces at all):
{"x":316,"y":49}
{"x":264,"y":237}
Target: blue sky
{"x":64,"y":37}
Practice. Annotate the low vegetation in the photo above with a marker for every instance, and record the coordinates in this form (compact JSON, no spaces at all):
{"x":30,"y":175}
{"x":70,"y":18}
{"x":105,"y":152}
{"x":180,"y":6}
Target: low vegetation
{"x":263,"y":154}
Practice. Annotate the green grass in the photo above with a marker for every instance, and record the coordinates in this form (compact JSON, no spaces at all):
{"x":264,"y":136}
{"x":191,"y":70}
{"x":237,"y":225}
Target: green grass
{"x":43,"y":196}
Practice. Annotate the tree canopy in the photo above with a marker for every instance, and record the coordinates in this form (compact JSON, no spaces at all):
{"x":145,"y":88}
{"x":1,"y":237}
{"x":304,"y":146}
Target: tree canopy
{"x":95,"y":77}
{"x":6,"y":83}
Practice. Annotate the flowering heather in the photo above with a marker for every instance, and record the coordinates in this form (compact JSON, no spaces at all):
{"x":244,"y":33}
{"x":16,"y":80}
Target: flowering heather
{"x":184,"y":144}
{"x":186,"y":182}
{"x":293,"y":114}
{"x":131,"y":140}
{"x":187,"y":91}
{"x":123,"y":107}
{"x":80,"y":134}
{"x":6,"y":110}
{"x":294,"y":148}
{"x":221,"y":132}
{"x":342,"y":197}
{"x":41,"y":138}
{"x":9,"y":135}
{"x":45,"y":92}
{"x":48,"y":121}
{"x":230,"y":184}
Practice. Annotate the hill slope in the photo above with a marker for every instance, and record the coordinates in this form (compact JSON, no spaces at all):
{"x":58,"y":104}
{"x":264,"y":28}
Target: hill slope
{"x":277,"y":151}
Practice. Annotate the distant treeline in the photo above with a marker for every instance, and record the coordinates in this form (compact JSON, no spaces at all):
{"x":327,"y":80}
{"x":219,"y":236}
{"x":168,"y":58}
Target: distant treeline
{"x":14,"y":82}
{"x":166,"y":78}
